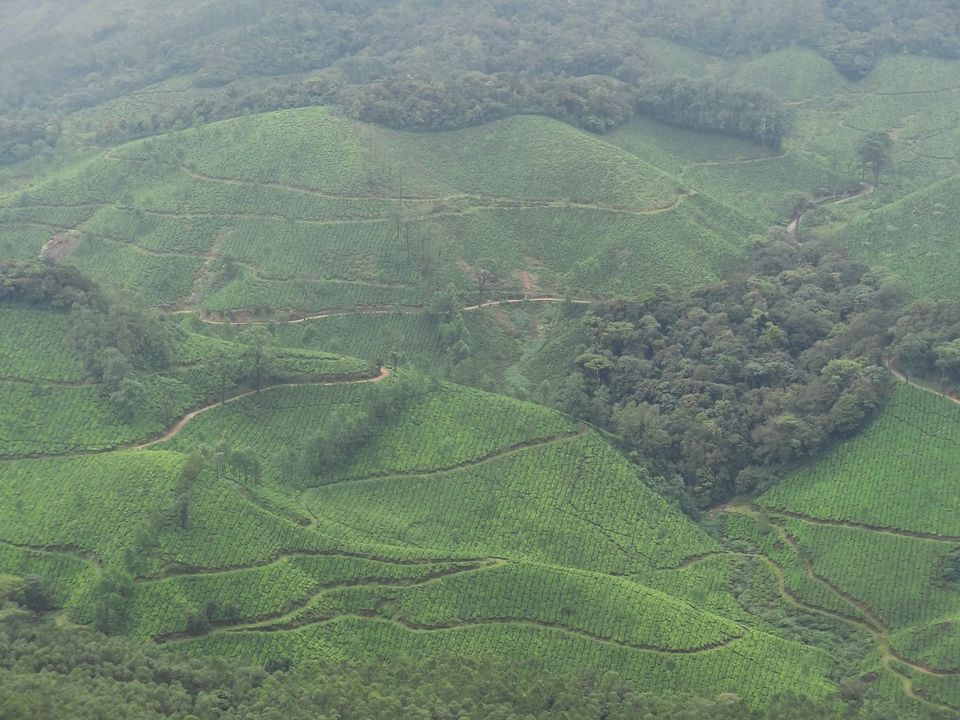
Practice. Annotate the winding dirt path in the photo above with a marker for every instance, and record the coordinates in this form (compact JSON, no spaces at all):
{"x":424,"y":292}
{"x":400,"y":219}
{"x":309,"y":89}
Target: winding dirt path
{"x":494,"y":201}
{"x":176,"y":570}
{"x":895,"y":532}
{"x":498,"y":303}
{"x":865,"y":189}
{"x":178,"y":427}
{"x":874,"y":625}
{"x":374,"y":311}
{"x":466,"y":623}
{"x":285,"y":619}
{"x":945,"y":394}
{"x":184,"y":421}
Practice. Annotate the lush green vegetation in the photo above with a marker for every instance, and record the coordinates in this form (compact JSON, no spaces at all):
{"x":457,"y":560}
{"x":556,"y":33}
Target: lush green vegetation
{"x":719,"y":390}
{"x":913,"y":441}
{"x":878,"y":506}
{"x":248,"y":479}
{"x":400,"y":552}
{"x":55,"y":671}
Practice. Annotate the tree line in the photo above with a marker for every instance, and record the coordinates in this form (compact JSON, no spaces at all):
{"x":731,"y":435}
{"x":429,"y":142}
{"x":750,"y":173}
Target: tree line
{"x":926,"y":342}
{"x":436,"y":66}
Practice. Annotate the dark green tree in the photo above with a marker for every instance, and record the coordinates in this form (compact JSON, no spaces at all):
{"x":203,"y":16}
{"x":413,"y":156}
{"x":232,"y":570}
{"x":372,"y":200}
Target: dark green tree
{"x":35,"y":594}
{"x":874,"y":153}
{"x":258,"y":340}
{"x":112,"y":597}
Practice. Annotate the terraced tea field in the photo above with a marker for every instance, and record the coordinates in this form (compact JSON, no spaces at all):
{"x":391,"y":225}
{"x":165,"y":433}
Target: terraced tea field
{"x":512,"y":532}
{"x":51,"y":407}
{"x":864,"y":536}
{"x":346,"y":215}
{"x":472,"y":523}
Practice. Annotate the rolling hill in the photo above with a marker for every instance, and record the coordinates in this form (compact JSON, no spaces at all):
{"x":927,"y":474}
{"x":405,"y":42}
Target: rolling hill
{"x":511,"y":531}
{"x":470,"y":523}
{"x":345,"y":215}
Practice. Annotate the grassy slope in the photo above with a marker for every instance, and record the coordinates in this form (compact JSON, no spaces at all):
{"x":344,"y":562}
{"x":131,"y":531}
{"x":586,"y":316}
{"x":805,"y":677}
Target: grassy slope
{"x":913,"y":237}
{"x":542,"y":507}
{"x":551,"y":535}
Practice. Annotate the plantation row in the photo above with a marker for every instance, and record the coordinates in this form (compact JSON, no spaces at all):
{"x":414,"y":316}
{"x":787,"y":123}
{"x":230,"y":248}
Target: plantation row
{"x":759,"y":666}
{"x":41,"y":352}
{"x":65,"y":575}
{"x":906,"y":237}
{"x":43,"y":419}
{"x":56,"y":215}
{"x":623,"y":611}
{"x":944,"y":690}
{"x":512,"y":157}
{"x":52,"y":420}
{"x":247,"y":291}
{"x":161,"y":607}
{"x":95,"y":504}
{"x":22,"y":242}
{"x":912,"y":592}
{"x":159,"y":234}
{"x":187,"y":195}
{"x":356,"y":252}
{"x":762,"y":186}
{"x":226,"y":530}
{"x":158,"y":205}
{"x":443,"y":429}
{"x":411,"y":335}
{"x":917,"y":436}
{"x":797,"y":578}
{"x":270,"y":422}
{"x":198,"y":350}
{"x":706,"y":584}
{"x":936,"y":644}
{"x":158,"y":280}
{"x":454,"y":426}
{"x":545,"y":504}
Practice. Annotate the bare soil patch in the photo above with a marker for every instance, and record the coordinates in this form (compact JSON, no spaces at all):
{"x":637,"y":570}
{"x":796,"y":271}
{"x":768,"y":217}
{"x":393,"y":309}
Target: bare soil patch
{"x":60,"y":246}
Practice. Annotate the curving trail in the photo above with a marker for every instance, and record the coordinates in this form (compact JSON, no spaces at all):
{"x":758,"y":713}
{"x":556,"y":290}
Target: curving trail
{"x":73,"y":551}
{"x":498,"y":303}
{"x":724,"y":163}
{"x":945,"y":394}
{"x":474,"y":462}
{"x":865,"y":189}
{"x":439,"y":627}
{"x":182,"y":422}
{"x":178,"y":427}
{"x":458,"y":624}
{"x":896,"y":532}
{"x":287,"y":618}
{"x":497,"y":201}
{"x":877,"y":629}
{"x":175,"y":570}
{"x":376,"y":310}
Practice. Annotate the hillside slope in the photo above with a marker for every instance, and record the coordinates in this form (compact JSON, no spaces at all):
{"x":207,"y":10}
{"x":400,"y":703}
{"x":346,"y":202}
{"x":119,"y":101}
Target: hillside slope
{"x":301,"y":209}
{"x":868,"y":536}
{"x":512,"y":533}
